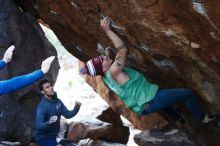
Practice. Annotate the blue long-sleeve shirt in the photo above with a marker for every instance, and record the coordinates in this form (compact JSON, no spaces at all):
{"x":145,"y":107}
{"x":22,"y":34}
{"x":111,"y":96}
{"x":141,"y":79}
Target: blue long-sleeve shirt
{"x":13,"y":84}
{"x":47,"y":108}
{"x":2,"y":64}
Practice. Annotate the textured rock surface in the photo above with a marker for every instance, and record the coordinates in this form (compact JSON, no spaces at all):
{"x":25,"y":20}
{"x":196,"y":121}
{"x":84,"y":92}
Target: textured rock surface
{"x":17,"y":110}
{"x":111,"y":129}
{"x":83,"y":130}
{"x":173,"y":42}
{"x":165,"y":137}
{"x":118,"y":133}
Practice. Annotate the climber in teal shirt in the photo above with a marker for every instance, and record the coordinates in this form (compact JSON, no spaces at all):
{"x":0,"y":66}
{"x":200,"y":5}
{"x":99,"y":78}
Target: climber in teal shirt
{"x":137,"y":93}
{"x":10,"y":85}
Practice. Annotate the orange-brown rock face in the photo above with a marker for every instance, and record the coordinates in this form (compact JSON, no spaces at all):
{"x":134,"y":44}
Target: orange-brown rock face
{"x":168,"y":40}
{"x":173,"y":42}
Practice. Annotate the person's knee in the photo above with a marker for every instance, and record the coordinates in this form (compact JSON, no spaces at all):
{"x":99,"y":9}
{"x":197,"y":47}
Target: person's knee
{"x":59,"y":145}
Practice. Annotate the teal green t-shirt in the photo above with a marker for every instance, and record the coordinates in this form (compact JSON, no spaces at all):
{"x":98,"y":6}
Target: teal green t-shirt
{"x":135,"y":92}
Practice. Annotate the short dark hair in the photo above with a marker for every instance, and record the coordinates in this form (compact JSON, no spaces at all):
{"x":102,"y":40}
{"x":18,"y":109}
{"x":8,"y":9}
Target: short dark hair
{"x":42,"y":83}
{"x":111,"y":54}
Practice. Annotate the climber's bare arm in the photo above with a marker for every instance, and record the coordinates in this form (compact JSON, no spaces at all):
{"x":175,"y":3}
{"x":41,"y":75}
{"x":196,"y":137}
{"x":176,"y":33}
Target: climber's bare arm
{"x":121,"y":55}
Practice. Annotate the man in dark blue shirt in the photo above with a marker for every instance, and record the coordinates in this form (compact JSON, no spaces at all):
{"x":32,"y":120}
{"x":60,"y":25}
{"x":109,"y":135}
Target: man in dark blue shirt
{"x":48,"y":115}
{"x":10,"y":85}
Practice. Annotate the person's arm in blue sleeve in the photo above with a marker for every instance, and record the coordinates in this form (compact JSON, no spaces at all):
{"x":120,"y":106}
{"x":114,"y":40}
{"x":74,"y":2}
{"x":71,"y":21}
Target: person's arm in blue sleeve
{"x":69,"y":114}
{"x":2,"y":64}
{"x":40,"y":116}
{"x":16,"y":83}
{"x":8,"y":86}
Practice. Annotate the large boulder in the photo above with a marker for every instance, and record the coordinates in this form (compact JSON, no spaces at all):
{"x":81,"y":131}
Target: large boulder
{"x":17,"y":110}
{"x":174,"y":43}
